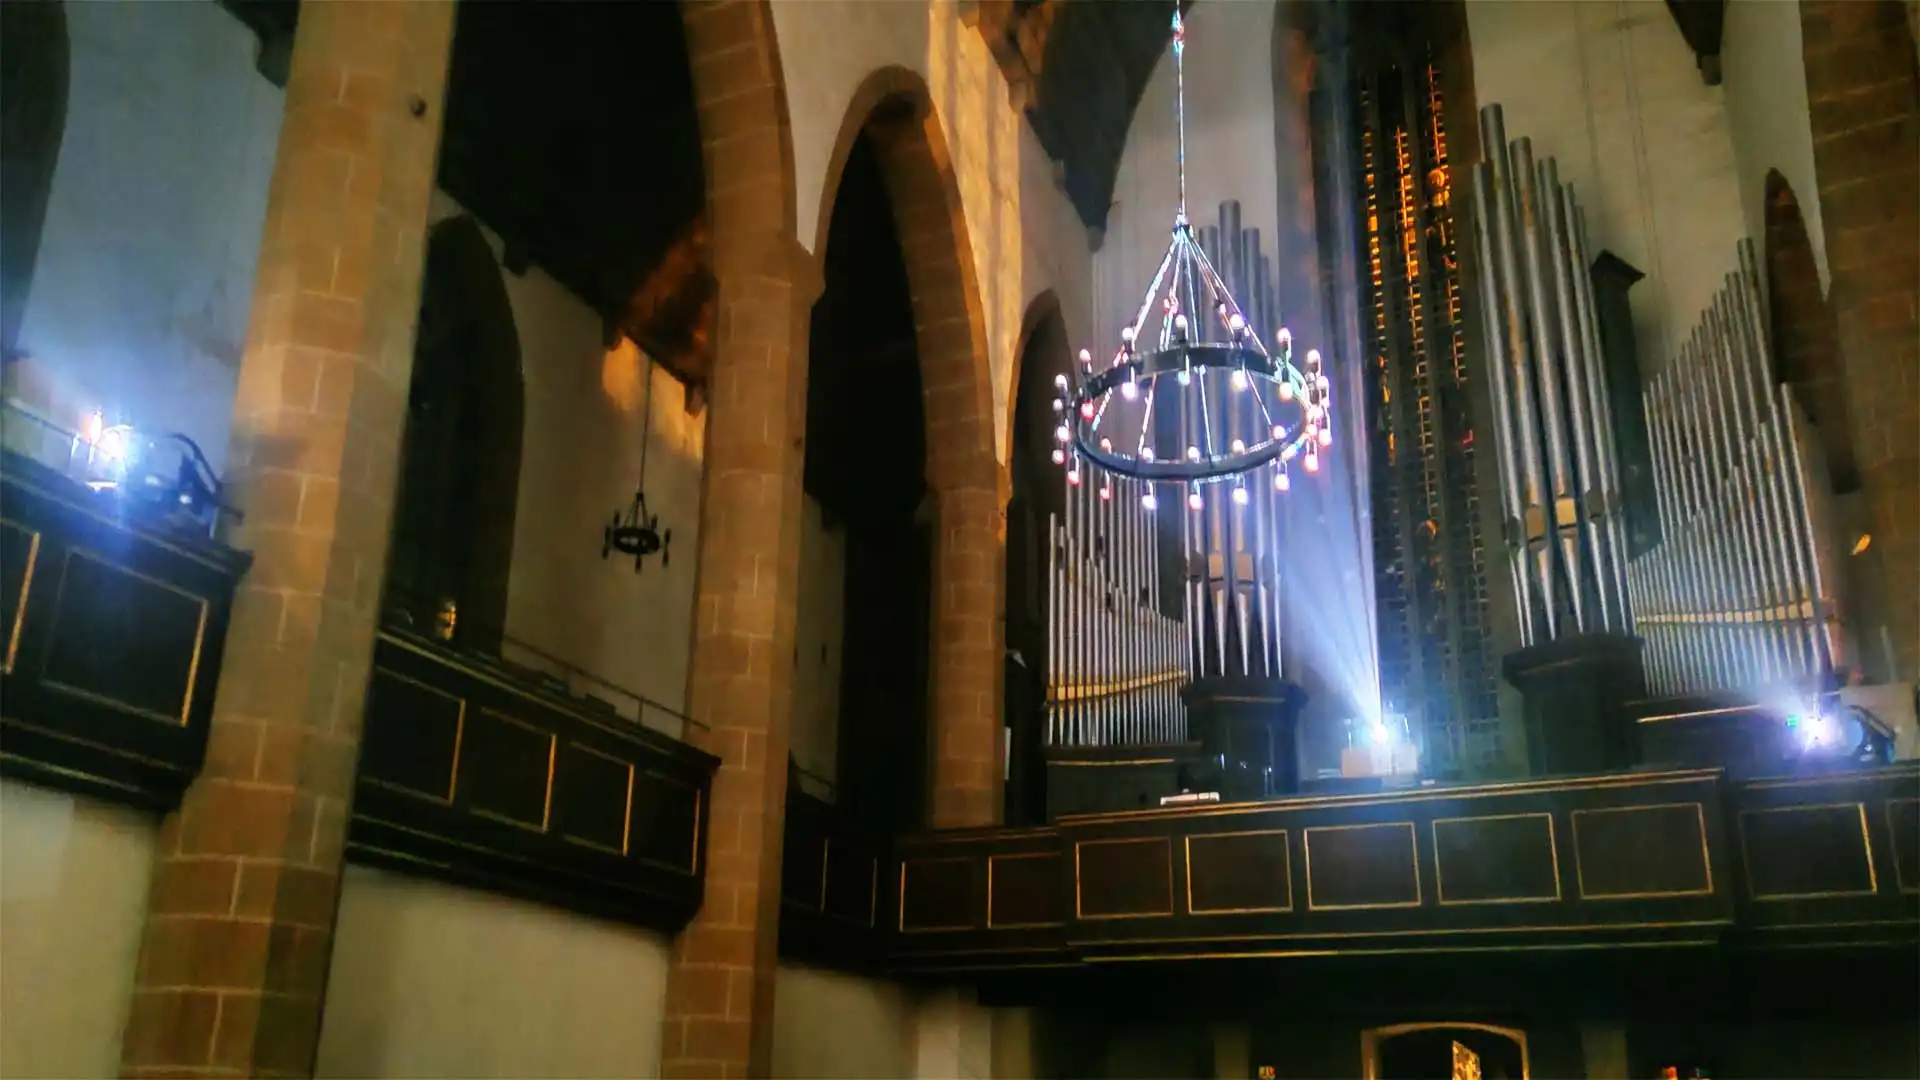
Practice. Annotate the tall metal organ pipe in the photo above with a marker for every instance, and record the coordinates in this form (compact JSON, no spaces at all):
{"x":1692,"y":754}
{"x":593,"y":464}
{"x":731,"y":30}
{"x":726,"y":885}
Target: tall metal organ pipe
{"x":1559,"y":475}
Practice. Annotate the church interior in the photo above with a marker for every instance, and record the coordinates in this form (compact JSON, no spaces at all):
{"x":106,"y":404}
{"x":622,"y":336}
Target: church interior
{"x":960,"y":538}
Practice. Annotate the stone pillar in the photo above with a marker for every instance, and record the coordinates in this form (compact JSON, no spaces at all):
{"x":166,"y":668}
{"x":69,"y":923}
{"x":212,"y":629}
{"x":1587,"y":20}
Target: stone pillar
{"x":234,"y":955}
{"x":969,"y":635}
{"x":1863,"y":94}
{"x":718,"y":1017}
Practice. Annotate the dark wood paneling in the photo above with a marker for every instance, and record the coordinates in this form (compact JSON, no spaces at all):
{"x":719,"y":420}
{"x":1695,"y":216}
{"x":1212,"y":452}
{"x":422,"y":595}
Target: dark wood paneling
{"x":1642,"y":852}
{"x":1831,"y":859}
{"x":834,"y":893}
{"x":113,"y":634}
{"x":1123,"y":877}
{"x":1239,"y":873}
{"x":1496,"y":859}
{"x":1680,"y":858}
{"x":1362,"y":867}
{"x":471,"y":775}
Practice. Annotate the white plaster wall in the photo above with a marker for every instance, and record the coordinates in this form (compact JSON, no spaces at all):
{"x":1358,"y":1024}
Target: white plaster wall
{"x":1230,"y":155}
{"x":831,"y":1026}
{"x":433,"y":980}
{"x":1610,"y":89}
{"x":74,"y":875}
{"x":145,"y":270}
{"x":1765,"y":82}
{"x":1024,"y":235}
{"x":953,"y":1036}
{"x":819,"y":633}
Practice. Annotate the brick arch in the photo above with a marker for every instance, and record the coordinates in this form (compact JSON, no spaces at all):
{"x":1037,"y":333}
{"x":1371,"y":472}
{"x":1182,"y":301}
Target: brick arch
{"x":894,"y":109}
{"x":1806,"y":353}
{"x":718,"y":1015}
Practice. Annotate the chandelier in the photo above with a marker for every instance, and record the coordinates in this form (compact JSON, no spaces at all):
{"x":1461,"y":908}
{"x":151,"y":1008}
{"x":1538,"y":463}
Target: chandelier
{"x":1192,"y":397}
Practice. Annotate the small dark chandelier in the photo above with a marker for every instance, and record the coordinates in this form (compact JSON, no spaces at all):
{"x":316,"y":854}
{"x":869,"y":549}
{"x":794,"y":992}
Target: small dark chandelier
{"x":1230,"y":411}
{"x":634,"y":532}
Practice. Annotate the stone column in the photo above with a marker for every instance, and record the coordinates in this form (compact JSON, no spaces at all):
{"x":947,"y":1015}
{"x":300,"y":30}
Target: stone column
{"x":234,"y":956}
{"x":718,"y":1016}
{"x":969,"y":636}
{"x":1864,"y":103}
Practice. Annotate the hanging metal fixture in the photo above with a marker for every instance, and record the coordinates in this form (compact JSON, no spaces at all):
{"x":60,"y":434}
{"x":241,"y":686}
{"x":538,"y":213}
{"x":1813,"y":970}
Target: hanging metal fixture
{"x":634,"y":532}
{"x":1192,"y":388}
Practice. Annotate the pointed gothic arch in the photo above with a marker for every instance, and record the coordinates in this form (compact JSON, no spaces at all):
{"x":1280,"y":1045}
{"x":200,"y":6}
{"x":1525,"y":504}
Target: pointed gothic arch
{"x":893,"y":111}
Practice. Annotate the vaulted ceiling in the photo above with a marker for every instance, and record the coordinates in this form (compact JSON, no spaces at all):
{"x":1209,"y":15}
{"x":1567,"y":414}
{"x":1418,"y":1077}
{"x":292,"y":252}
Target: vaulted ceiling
{"x":1079,"y":70}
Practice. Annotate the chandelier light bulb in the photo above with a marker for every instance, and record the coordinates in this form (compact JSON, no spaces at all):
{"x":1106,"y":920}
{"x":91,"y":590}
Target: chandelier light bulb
{"x":1059,"y":406}
{"x":1313,"y":361}
{"x":1126,"y":335}
{"x":1106,"y":492}
{"x":1180,"y":325}
{"x":1325,"y":383}
{"x":1059,"y":456}
{"x":1237,"y":323}
{"x":1281,"y":482}
{"x":1286,"y":390}
{"x":1062,"y":433}
{"x":1326,"y":436}
{"x":1239,"y":446}
{"x":1185,"y":378}
{"x":1129,"y":390}
{"x":1086,"y":357}
{"x":1195,"y":502}
{"x":1312,"y":462}
{"x":1106,"y":445}
{"x":1146,"y":453}
{"x":1087,"y":409}
{"x":1279,"y":432}
{"x":1283,"y":339}
{"x":1239,"y":496}
{"x":1193,"y":453}
{"x":1148,"y":502}
{"x":1239,"y":379}
{"x":1060,"y":382}
{"x":1073,"y":476}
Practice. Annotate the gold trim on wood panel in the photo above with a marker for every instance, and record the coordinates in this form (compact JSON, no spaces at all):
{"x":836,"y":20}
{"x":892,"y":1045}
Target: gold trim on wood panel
{"x":1371,"y":1038}
{"x":1866,"y":851}
{"x":1447,"y":932}
{"x":19,"y":617}
{"x":1166,"y":843}
{"x":1108,"y":764}
{"x":1706,"y":857}
{"x":459,"y":736}
{"x":901,"y":923}
{"x":1439,"y":871}
{"x":1280,"y":954}
{"x":1899,"y":879}
{"x":1404,"y":798}
{"x":1286,"y":857}
{"x":546,"y":802}
{"x":193,"y":663}
{"x":626,"y":819}
{"x":1010,"y":857}
{"x":1413,"y":858}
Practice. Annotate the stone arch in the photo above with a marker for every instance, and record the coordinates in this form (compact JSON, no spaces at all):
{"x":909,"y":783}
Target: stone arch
{"x":460,"y":460}
{"x":1045,"y":350}
{"x":1806,"y":352}
{"x":33,"y":113}
{"x":893,"y":108}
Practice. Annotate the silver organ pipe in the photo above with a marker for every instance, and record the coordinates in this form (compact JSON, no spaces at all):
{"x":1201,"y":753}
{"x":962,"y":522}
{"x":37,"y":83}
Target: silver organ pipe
{"x":1732,"y":599}
{"x":1559,"y":473}
{"x":1116,"y":661}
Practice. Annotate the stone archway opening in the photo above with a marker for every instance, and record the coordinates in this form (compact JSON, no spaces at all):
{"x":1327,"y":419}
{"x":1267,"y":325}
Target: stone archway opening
{"x":452,"y":546}
{"x":960,"y":505}
{"x":1037,"y":497}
